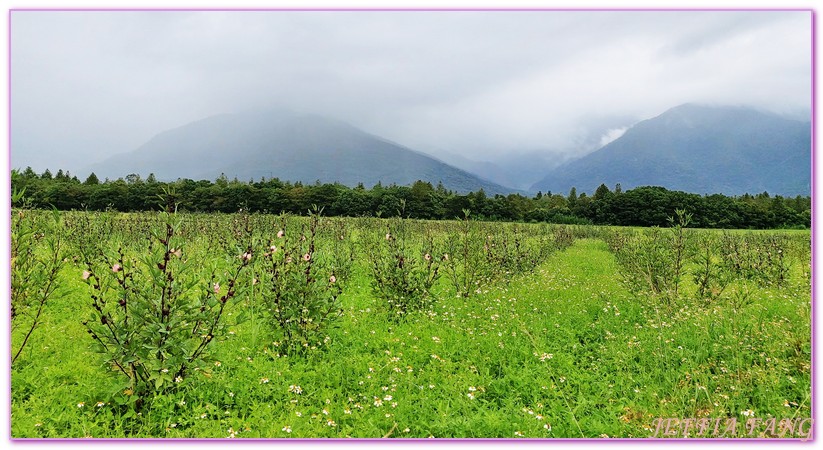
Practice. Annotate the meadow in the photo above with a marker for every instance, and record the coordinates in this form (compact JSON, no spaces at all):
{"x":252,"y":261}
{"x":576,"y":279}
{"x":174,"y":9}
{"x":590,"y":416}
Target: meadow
{"x":182,"y":325}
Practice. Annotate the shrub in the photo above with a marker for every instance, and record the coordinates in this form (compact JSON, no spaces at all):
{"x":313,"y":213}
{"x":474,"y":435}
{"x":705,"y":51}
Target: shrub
{"x":403,"y":270}
{"x":654,"y":261}
{"x":300,"y":286}
{"x":709,"y":275}
{"x":153,"y":316}
{"x":36,"y":259}
{"x":464,"y":262}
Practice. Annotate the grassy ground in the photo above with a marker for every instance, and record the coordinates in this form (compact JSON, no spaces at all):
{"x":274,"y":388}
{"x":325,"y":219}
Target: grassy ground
{"x":563,"y":351}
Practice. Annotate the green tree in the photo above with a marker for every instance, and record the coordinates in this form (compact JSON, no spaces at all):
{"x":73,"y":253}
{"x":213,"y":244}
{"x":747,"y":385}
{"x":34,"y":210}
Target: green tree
{"x":602,"y":192}
{"x":572,"y":198}
{"x":133,"y":178}
{"x":92,"y":180}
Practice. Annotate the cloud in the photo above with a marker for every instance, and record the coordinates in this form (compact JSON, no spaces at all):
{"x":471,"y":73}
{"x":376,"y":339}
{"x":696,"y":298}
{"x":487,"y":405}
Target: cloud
{"x":611,"y":135}
{"x":479,"y":84}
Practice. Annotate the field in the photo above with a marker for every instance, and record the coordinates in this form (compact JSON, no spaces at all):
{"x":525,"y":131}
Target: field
{"x":262,"y":326}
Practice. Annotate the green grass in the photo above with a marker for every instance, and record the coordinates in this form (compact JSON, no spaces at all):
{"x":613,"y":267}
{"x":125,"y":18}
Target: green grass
{"x":562,"y":351}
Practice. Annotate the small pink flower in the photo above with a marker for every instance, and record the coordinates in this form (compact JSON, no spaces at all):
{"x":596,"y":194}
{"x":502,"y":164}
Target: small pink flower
{"x":280,"y":234}
{"x":216,"y":287}
{"x":306,"y":257}
{"x":247,"y":256}
{"x":86,"y":274}
{"x":388,"y":236}
{"x":273,"y":248}
{"x":332,"y":279}
{"x":116,"y":268}
{"x":427,"y":257}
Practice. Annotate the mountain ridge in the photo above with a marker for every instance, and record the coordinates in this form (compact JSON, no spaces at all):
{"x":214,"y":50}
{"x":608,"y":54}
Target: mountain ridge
{"x":700,"y":149}
{"x":290,"y":146}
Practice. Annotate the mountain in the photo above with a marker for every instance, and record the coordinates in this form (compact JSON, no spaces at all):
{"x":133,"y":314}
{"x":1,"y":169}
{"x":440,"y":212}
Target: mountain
{"x":699,"y":149}
{"x":289,"y":146}
{"x":515,"y":170}
{"x":483,"y":169}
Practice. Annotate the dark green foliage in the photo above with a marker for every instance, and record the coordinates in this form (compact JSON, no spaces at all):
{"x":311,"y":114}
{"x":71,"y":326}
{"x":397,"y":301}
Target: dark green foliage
{"x":643,"y":206}
{"x":92,"y":180}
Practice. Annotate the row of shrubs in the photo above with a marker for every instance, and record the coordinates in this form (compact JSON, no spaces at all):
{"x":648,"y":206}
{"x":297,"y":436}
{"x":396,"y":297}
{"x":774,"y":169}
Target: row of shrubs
{"x":157,"y":286}
{"x":659,"y":261}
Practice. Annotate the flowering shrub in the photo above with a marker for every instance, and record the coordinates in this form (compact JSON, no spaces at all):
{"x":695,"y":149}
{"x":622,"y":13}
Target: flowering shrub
{"x":36,"y":258}
{"x":464,"y":262}
{"x":403,"y":273}
{"x":300,"y":286}
{"x":710,"y":275}
{"x":758,"y":257}
{"x":511,"y":250}
{"x":153,"y":316}
{"x":342,"y":251}
{"x":654,"y":261}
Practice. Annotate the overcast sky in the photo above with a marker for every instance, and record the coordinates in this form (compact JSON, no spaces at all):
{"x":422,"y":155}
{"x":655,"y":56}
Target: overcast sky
{"x":86,"y":85}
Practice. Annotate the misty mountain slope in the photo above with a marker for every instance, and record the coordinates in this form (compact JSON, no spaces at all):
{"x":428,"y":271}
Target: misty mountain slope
{"x":490,"y":171}
{"x":289,"y":146}
{"x":698,"y":149}
{"x":515,"y":170}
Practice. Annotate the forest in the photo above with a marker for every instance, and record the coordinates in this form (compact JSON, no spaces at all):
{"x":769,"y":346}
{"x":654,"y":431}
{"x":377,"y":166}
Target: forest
{"x":641,"y":206}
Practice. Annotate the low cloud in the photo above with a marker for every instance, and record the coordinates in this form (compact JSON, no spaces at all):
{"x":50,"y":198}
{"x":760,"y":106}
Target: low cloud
{"x":479,"y":84}
{"x":611,"y":135}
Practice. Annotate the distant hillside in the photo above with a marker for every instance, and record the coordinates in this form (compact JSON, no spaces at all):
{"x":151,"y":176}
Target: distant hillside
{"x":514,"y":170}
{"x":289,"y":146}
{"x":698,"y":149}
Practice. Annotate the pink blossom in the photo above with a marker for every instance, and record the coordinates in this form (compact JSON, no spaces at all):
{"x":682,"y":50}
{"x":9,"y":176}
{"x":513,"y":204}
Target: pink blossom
{"x":280,"y":234}
{"x":116,"y":268}
{"x":427,"y":256}
{"x":332,"y":279}
{"x":216,"y":287}
{"x":246,"y":256}
{"x":307,"y":257}
{"x":273,"y":248}
{"x":388,"y":236}
{"x":86,"y":274}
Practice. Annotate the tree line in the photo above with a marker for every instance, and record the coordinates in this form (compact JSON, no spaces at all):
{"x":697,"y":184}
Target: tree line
{"x":641,"y":206}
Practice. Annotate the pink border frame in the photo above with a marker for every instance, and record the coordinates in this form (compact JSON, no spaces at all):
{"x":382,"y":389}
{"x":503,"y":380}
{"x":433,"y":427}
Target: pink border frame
{"x":814,"y":429}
